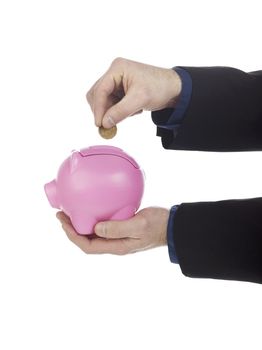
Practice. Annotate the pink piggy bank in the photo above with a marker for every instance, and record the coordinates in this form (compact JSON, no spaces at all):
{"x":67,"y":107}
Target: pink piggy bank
{"x":95,"y":184}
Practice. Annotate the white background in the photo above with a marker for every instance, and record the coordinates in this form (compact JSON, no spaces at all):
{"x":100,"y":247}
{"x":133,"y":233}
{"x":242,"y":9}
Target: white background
{"x":53,"y":296}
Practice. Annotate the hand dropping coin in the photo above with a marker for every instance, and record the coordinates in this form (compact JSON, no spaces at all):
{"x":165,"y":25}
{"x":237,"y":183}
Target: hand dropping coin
{"x":107,"y":133}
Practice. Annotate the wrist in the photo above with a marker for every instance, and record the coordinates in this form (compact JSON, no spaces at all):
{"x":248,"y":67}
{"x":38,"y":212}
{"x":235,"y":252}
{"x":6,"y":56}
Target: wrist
{"x":165,"y":218}
{"x":175,"y":84}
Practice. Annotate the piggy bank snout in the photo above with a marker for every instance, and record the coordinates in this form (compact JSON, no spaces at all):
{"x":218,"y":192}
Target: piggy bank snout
{"x":51,"y":193}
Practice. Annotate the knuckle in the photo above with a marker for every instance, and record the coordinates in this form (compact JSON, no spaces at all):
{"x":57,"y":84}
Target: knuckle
{"x":96,"y":90}
{"x":118,"y":60}
{"x":105,"y":229}
{"x":89,"y":96}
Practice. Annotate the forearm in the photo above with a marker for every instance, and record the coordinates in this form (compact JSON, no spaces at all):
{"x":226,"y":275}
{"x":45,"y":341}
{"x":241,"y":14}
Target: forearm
{"x":220,"y":239}
{"x":224,"y":112}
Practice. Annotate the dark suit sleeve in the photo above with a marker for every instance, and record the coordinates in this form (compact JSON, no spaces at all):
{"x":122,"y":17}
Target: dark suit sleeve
{"x":220,"y":239}
{"x":224,"y":113}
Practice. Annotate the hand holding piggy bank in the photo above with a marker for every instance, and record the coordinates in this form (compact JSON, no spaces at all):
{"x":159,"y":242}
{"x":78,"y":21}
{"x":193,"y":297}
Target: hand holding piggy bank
{"x":96,"y":184}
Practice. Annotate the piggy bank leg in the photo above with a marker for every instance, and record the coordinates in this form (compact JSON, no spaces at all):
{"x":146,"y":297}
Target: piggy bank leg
{"x":83,"y":225}
{"x":124,"y":213}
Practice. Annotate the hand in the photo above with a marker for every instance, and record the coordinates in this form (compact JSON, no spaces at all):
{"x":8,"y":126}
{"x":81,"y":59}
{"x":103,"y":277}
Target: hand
{"x":147,"y":229}
{"x":128,"y":88}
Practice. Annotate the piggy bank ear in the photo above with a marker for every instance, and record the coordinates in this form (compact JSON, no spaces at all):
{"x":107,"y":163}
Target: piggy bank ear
{"x":74,"y":161}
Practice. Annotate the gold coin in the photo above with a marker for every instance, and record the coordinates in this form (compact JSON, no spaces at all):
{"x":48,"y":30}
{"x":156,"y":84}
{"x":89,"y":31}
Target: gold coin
{"x":107,"y":133}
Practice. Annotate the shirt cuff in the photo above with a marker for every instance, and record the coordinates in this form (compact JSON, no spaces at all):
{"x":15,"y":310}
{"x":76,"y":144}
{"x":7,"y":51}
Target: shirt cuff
{"x":170,"y":235}
{"x":171,"y":118}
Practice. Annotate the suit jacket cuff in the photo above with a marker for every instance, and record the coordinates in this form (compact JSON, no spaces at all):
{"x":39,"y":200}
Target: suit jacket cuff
{"x":171,"y":118}
{"x":170,"y":235}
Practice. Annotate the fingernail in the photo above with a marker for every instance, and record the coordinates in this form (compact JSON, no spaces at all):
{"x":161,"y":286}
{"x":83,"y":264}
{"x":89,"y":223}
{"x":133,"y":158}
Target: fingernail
{"x":100,"y":229}
{"x":110,"y":122}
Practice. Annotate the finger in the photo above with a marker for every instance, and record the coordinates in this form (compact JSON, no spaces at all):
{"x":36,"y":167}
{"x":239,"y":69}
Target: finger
{"x":96,"y":245}
{"x":62,"y":217}
{"x":119,"y":229}
{"x":90,"y":95}
{"x":130,"y":104}
{"x":103,"y":98}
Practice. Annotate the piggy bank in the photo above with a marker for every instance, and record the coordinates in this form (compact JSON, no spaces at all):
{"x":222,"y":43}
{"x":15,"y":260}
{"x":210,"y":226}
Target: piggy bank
{"x":95,"y":184}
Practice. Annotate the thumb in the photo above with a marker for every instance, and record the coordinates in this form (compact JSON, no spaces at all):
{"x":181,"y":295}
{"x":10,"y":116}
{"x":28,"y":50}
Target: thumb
{"x":116,"y":229}
{"x":129,"y":105}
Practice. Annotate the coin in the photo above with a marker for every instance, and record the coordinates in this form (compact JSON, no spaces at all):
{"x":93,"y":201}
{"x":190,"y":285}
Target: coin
{"x":107,"y":133}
